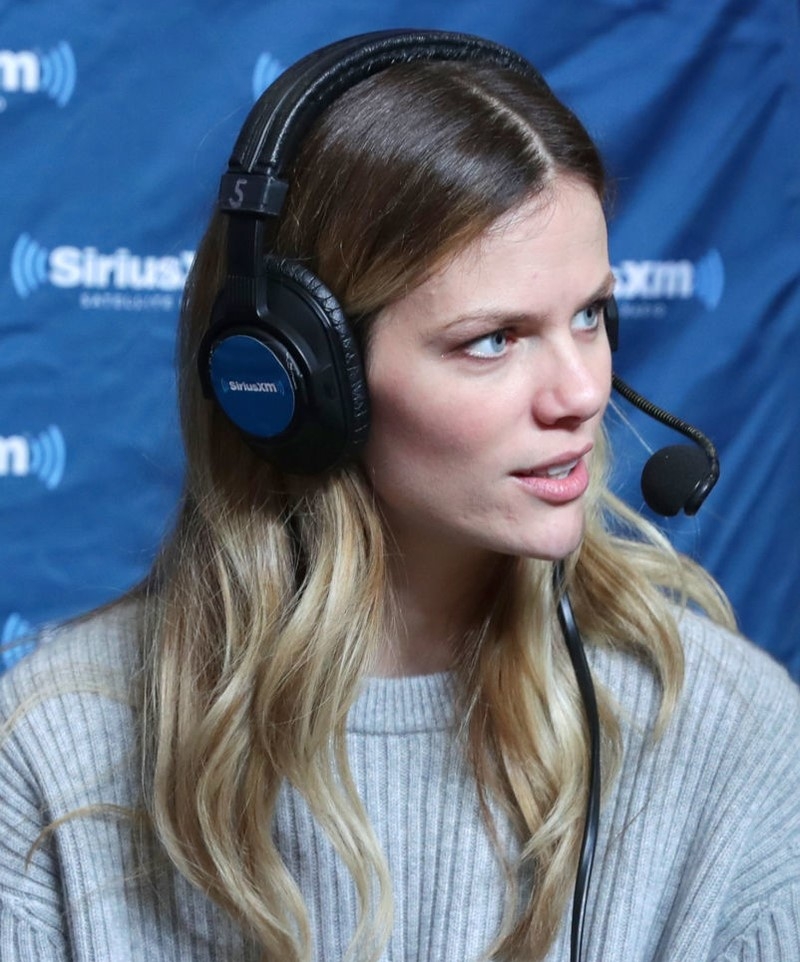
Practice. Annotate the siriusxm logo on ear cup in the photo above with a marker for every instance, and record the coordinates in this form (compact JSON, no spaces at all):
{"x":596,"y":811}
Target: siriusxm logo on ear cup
{"x":118,"y":281}
{"x":258,"y":387}
{"x":672,"y":280}
{"x":29,"y":72}
{"x":43,"y":456}
{"x":252,"y":386}
{"x":266,"y":70}
{"x":15,"y":629}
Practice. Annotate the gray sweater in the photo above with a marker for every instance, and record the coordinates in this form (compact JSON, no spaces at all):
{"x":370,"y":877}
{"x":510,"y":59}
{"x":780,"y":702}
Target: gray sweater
{"x":698,"y":856}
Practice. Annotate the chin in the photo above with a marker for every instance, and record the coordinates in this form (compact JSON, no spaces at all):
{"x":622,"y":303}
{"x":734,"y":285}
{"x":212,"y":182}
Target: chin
{"x":555,"y":546}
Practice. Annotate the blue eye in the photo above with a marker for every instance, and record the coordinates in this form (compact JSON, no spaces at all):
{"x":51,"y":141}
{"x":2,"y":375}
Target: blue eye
{"x":588,"y":319}
{"x":492,"y":345}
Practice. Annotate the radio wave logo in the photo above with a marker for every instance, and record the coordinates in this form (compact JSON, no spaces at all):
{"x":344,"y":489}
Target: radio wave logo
{"x":266,"y":70}
{"x":43,"y":456}
{"x":59,"y":73}
{"x":673,"y":280}
{"x":48,"y":457}
{"x":15,"y":629}
{"x":28,"y":265}
{"x":28,"y":71}
{"x":709,"y":279}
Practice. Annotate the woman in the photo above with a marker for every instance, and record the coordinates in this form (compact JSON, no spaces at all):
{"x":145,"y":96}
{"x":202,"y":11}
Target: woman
{"x":340,"y":717}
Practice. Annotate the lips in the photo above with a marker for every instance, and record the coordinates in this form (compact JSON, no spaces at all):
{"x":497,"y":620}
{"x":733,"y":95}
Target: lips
{"x":562,"y":480}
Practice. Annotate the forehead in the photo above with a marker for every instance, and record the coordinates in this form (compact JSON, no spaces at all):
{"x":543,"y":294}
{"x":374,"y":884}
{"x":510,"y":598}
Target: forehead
{"x":562,"y":226}
{"x":567,"y":211}
{"x":549,"y":251}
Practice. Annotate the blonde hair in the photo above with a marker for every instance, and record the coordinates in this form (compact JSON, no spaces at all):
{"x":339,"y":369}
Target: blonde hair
{"x":264,"y":608}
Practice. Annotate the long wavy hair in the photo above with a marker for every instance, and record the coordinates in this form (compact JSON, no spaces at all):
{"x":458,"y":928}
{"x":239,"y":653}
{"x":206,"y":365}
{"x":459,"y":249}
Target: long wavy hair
{"x":265,"y":606}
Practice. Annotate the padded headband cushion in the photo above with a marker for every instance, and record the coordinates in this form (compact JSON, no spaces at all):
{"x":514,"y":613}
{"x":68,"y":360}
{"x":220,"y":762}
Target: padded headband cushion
{"x":284,"y":113}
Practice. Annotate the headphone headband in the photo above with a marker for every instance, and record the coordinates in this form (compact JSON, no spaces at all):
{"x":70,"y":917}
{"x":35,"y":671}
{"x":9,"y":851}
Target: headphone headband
{"x":255,"y":182}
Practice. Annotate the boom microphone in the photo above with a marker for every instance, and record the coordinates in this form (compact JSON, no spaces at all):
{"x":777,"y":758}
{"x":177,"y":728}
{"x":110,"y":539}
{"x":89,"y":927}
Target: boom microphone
{"x":678,"y":477}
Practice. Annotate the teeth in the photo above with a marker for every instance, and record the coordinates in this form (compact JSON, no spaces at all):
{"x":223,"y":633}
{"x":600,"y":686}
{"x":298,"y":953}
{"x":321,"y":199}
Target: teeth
{"x":560,"y":471}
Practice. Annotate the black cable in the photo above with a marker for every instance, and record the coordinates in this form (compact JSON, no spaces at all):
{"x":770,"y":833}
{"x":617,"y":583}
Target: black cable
{"x":574,"y":643}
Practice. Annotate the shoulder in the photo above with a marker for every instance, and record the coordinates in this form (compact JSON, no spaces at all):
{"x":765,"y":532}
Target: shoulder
{"x":67,"y":710}
{"x":68,"y":745}
{"x":717,"y":794}
{"x":732,"y":689}
{"x":739,"y":723}
{"x":738,"y":720}
{"x":733,"y":661}
{"x":739,"y":692}
{"x":98,"y":649}
{"x":727,"y":762}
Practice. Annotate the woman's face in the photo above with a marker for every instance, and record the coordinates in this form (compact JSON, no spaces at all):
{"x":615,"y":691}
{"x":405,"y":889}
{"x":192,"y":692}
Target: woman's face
{"x":488,"y":383}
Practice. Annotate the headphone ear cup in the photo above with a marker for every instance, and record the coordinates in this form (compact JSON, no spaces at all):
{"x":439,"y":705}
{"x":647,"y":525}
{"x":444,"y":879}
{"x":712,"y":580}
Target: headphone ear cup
{"x":344,"y":347}
{"x":281,"y":362}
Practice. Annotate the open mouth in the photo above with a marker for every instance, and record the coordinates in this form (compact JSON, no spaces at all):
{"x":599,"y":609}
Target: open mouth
{"x":559,"y":482}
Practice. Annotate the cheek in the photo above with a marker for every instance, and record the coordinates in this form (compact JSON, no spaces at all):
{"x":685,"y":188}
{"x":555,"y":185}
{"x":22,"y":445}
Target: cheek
{"x":412,"y":428}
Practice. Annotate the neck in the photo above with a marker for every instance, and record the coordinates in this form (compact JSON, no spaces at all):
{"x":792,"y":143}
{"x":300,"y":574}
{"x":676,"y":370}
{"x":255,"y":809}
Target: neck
{"x":437,"y":600}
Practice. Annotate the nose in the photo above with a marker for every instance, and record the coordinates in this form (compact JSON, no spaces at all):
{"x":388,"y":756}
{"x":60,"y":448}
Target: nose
{"x":572,"y":381}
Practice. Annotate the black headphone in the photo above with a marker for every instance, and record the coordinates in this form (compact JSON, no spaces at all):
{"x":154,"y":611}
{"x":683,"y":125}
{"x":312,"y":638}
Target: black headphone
{"x":280,"y":358}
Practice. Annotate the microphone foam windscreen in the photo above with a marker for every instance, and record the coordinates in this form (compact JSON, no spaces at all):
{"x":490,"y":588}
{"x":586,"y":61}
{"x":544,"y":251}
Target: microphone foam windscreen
{"x":671,"y":475}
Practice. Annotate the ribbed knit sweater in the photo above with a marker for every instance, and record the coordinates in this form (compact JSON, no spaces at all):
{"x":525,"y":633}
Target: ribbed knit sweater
{"x":698,"y":856}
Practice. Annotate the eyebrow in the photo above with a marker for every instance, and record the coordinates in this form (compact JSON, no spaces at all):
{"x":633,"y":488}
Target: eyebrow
{"x":501,"y":318}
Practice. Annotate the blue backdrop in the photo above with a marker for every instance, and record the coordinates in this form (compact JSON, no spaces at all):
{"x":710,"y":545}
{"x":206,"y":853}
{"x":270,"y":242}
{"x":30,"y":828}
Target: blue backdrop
{"x":116,"y":124}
